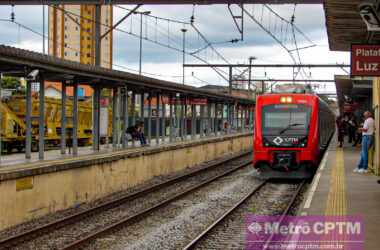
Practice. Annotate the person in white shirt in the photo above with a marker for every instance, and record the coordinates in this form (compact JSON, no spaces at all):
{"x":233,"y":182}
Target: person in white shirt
{"x":367,"y":139}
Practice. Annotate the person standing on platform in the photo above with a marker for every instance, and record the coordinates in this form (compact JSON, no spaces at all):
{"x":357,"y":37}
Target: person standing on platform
{"x":352,"y":128}
{"x":367,"y":139}
{"x":358,"y":138}
{"x":340,"y":127}
{"x":225,"y":127}
{"x":137,"y":132}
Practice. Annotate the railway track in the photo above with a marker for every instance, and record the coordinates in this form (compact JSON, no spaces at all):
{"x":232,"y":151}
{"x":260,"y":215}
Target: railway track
{"x":228,"y":165}
{"x":220,"y":228}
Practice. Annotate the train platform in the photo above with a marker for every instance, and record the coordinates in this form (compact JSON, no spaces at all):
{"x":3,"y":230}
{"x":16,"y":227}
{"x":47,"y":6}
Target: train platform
{"x":16,"y":163}
{"x":9,"y":161}
{"x":337,"y":190}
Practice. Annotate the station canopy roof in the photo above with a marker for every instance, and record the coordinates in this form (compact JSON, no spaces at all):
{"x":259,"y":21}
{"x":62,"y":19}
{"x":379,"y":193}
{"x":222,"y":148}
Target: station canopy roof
{"x":345,"y":25}
{"x":19,"y":62}
{"x":19,"y":2}
{"x":353,"y":90}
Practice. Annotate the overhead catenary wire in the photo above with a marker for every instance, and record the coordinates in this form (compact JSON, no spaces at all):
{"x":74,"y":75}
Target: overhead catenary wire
{"x":218,"y":71}
{"x":300,"y":70}
{"x":173,"y":42}
{"x":157,"y":17}
{"x":295,"y":27}
{"x":208,"y":44}
{"x":119,"y":29}
{"x":282,"y":34}
{"x":202,"y":81}
{"x":270,"y":34}
{"x":295,"y":43}
{"x":78,"y":51}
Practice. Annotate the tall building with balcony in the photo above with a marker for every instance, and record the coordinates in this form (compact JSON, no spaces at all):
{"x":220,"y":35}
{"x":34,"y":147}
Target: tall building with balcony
{"x":71,"y":33}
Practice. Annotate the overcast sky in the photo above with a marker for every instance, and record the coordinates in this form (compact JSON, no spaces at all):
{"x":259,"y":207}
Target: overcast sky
{"x":215,"y":23}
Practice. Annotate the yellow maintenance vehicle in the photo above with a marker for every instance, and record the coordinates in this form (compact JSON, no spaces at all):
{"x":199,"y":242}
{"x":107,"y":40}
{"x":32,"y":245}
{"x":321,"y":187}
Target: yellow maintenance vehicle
{"x":12,"y":130}
{"x":13,"y":125}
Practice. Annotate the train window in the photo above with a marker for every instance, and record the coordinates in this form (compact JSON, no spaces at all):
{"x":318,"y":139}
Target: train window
{"x":292,"y":119}
{"x":283,"y":119}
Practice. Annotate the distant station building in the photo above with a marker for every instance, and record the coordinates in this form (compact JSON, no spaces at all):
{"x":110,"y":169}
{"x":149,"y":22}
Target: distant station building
{"x":243,"y":93}
{"x":71,"y":33}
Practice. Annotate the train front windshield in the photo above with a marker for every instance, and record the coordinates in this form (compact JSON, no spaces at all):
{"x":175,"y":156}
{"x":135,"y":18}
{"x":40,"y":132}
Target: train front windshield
{"x":286,"y":119}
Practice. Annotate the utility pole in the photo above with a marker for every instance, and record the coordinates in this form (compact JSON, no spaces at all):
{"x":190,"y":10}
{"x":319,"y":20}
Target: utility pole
{"x":97,"y":34}
{"x":97,"y":89}
{"x":230,"y":80}
{"x":43,"y":29}
{"x":141,"y":31}
{"x":251,"y":58}
{"x":183,"y":54}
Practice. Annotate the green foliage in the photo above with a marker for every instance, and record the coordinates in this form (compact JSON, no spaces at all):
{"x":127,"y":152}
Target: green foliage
{"x":13,"y":83}
{"x":8,"y":82}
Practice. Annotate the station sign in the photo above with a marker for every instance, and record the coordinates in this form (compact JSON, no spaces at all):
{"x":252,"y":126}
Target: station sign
{"x":365,"y":60}
{"x":197,"y":101}
{"x":189,"y":101}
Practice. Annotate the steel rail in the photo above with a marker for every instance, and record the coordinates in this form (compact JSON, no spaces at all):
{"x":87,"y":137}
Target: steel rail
{"x":133,"y":218}
{"x":292,"y":201}
{"x":193,"y":243}
{"x":204,"y":233}
{"x":287,"y":210}
{"x":57,"y":224}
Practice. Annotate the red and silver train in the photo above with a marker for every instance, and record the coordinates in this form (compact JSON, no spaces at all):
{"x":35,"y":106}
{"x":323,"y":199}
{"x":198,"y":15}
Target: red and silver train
{"x":291,"y":133}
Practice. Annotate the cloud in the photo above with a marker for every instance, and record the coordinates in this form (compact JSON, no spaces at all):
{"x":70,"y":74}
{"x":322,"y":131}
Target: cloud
{"x":29,"y":45}
{"x":215,"y":22}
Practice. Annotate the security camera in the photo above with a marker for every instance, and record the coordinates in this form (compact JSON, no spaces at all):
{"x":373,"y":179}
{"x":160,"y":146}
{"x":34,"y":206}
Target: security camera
{"x":369,"y":16}
{"x":33,"y":75}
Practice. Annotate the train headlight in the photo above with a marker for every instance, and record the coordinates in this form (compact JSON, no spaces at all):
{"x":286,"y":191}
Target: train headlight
{"x":286,"y":99}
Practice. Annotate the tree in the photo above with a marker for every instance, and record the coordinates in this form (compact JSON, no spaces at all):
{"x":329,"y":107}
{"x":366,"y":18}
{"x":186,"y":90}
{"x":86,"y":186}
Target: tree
{"x":8,"y":82}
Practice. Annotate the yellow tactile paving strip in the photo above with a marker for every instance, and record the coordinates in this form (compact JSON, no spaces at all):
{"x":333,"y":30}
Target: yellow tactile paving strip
{"x":337,"y":200}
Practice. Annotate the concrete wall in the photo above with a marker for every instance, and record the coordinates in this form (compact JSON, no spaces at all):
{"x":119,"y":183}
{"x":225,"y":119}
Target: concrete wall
{"x":36,"y":191}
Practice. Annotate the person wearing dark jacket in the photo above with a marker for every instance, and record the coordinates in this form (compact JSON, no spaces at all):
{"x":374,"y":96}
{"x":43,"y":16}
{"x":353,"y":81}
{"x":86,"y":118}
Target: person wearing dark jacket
{"x":358,"y":137}
{"x":341,"y":129}
{"x":352,"y":128}
{"x":137,"y":132}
